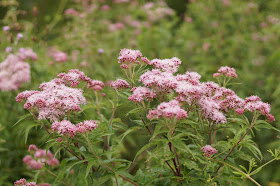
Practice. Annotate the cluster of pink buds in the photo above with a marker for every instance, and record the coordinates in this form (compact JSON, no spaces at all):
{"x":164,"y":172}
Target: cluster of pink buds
{"x":13,"y":72}
{"x":74,"y":77}
{"x":39,"y":158}
{"x":169,"y":110}
{"x":140,"y":94}
{"x":212,"y":101}
{"x":56,"y":98}
{"x":120,"y":84}
{"x":25,"y":53}
{"x":65,"y":127}
{"x":226,"y":71}
{"x":23,"y":182}
{"x":208,"y":150}
{"x":254,"y":104}
{"x":57,"y":55}
{"x":128,"y":57}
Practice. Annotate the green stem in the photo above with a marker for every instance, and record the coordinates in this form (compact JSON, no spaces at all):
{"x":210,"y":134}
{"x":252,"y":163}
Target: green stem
{"x":248,"y":176}
{"x":106,"y":166}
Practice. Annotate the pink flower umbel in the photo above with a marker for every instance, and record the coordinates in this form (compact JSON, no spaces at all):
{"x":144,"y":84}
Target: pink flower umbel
{"x":39,"y":158}
{"x":208,"y":150}
{"x":141,"y":93}
{"x":226,"y":71}
{"x":119,"y":84}
{"x":13,"y":73}
{"x":170,"y":110}
{"x":129,"y":56}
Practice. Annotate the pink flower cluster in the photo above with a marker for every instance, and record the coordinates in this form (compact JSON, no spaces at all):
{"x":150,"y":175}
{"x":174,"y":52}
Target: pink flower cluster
{"x":170,"y":110}
{"x":141,"y":93}
{"x":74,"y":76}
{"x":254,"y":104}
{"x":40,"y":157}
{"x":128,"y":57}
{"x":226,"y":71}
{"x":57,"y":55}
{"x":166,"y":65}
{"x":13,"y":72}
{"x":65,"y":127}
{"x":22,"y":182}
{"x":159,"y":81}
{"x":213,"y":101}
{"x":25,"y":53}
{"x":208,"y":150}
{"x":120,"y":84}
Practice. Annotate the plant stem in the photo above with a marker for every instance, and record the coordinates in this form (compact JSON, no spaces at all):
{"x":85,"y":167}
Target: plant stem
{"x":56,"y":176}
{"x":91,"y":150}
{"x":248,"y":176}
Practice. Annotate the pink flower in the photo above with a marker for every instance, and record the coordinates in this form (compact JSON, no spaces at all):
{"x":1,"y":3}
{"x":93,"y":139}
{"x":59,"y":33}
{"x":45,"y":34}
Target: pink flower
{"x":129,"y":56}
{"x":8,"y":49}
{"x":71,"y":11}
{"x":120,"y":84}
{"x":105,"y":7}
{"x":13,"y":73}
{"x":270,"y":117}
{"x":19,"y":36}
{"x":32,"y":147}
{"x":239,"y":111}
{"x":100,"y":51}
{"x":141,"y":93}
{"x":65,"y":127}
{"x":6,"y":28}
{"x":227,"y":71}
{"x":57,"y":55}
{"x":169,"y":110}
{"x":25,"y":53}
{"x":167,"y":65}
{"x":208,"y":150}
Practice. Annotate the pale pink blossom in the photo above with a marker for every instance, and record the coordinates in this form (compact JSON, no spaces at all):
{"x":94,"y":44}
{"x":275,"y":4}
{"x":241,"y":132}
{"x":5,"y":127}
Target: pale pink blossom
{"x":120,"y":84}
{"x":169,"y":110}
{"x":208,"y":150}
{"x":141,"y":93}
{"x":166,"y":65}
{"x":227,"y":71}
{"x":13,"y":73}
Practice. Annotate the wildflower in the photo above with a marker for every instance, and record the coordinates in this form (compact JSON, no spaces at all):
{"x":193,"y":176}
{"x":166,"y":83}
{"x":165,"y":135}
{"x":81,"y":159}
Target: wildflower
{"x":167,"y":65}
{"x":6,"y":28}
{"x":158,"y":81}
{"x":120,"y":84}
{"x":227,"y":71}
{"x":170,"y":110}
{"x":65,"y":127}
{"x":100,"y":51}
{"x":19,"y":36}
{"x":71,"y":11}
{"x":25,"y":53}
{"x":141,"y":93}
{"x":208,"y":150}
{"x":57,"y":55}
{"x":239,"y":111}
{"x":8,"y":49}
{"x":129,"y":56}
{"x":13,"y":73}
{"x":41,"y":156}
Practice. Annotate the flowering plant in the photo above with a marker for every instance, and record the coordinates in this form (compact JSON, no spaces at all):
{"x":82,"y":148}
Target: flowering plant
{"x":198,"y":132}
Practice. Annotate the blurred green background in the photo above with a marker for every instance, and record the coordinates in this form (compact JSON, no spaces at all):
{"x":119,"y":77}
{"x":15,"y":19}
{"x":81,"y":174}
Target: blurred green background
{"x":203,"y":34}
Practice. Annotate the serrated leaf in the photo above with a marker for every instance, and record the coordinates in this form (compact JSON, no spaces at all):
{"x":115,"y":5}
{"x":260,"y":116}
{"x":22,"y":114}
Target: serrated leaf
{"x":26,"y":131}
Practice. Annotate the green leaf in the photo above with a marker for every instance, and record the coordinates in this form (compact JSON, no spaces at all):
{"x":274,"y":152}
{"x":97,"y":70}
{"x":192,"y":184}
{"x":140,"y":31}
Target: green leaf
{"x":26,"y":131}
{"x":183,"y":147}
{"x":145,"y":147}
{"x":90,"y":164}
{"x":129,"y":131}
{"x":103,"y":179}
{"x":22,"y":118}
{"x":263,"y":124}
